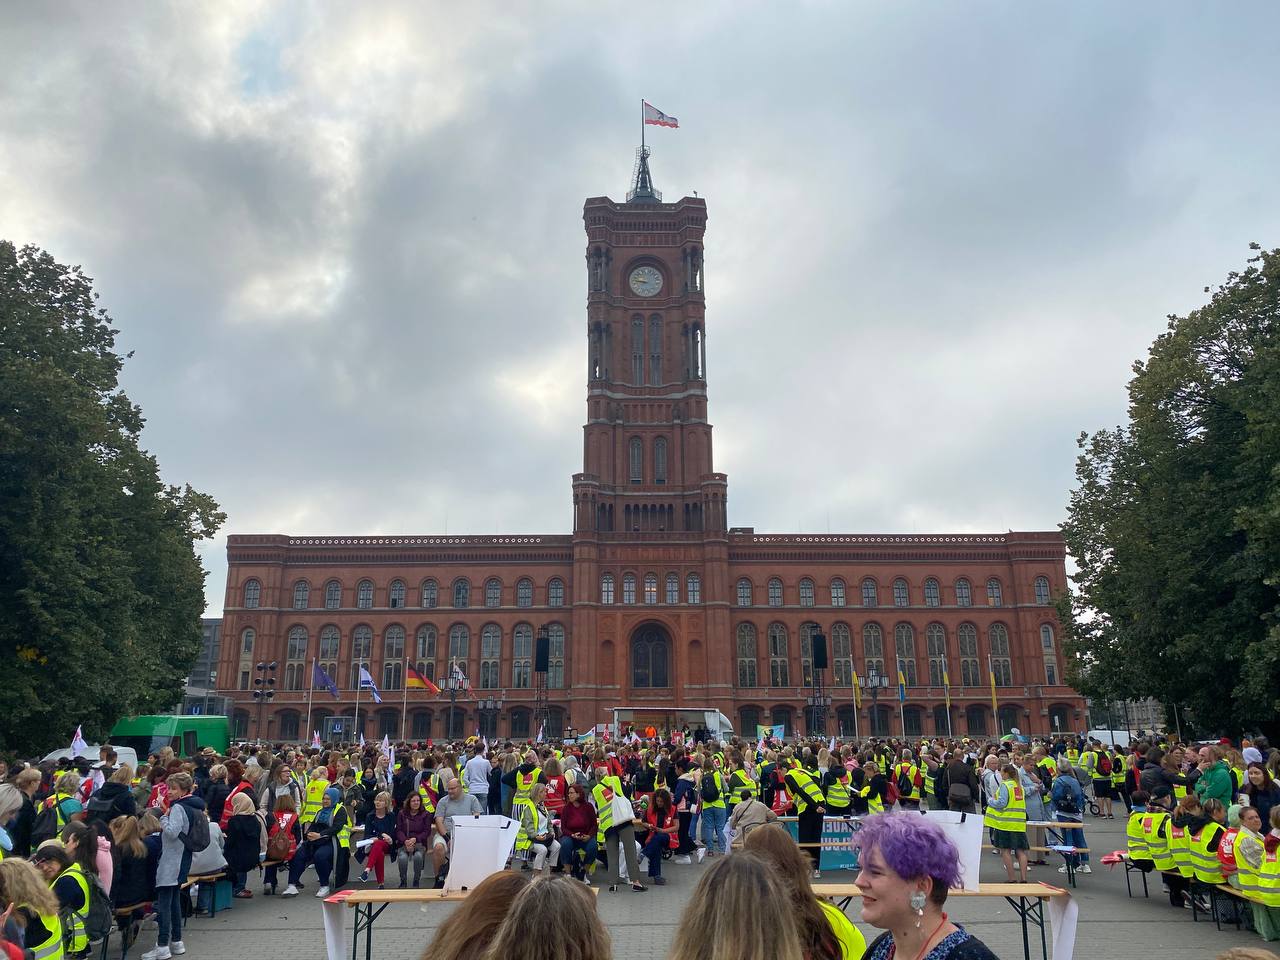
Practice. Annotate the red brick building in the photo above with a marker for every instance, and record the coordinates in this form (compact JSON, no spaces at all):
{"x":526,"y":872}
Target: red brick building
{"x":653,"y":599}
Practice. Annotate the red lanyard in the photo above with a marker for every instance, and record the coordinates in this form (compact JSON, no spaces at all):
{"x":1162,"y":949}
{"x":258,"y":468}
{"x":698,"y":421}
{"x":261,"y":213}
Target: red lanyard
{"x":893,"y":950}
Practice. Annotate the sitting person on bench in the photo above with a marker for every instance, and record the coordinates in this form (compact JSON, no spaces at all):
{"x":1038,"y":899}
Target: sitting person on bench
{"x":316,"y":848}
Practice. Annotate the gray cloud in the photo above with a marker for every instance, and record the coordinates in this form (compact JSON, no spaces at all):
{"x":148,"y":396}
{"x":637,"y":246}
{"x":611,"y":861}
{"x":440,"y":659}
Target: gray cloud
{"x":346,"y":244}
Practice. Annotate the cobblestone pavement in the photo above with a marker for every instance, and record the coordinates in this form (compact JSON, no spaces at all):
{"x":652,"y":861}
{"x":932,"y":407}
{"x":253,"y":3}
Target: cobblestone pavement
{"x":1111,"y":924}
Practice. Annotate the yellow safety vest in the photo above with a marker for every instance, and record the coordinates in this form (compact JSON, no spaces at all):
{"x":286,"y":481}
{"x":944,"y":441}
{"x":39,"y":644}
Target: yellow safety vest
{"x":911,"y":770}
{"x":838,"y":791}
{"x":1157,"y":840}
{"x":810,"y":792}
{"x":314,"y":799}
{"x":428,"y":801}
{"x":528,"y":817}
{"x":875,"y":804}
{"x":1013,"y":818}
{"x":739,"y":781}
{"x":1180,"y":848}
{"x":74,"y":937}
{"x":1138,"y":848}
{"x":930,"y":789}
{"x":525,"y":782}
{"x":1205,"y":863}
{"x":604,"y":806}
{"x":1117,"y":770}
{"x":852,"y":943}
{"x":343,"y":835}
{"x":1265,"y":883}
{"x":718,"y":803}
{"x":1089,"y":763}
{"x":1245,"y":874}
{"x":1240,"y":778}
{"x":1073,"y":755}
{"x":51,"y":948}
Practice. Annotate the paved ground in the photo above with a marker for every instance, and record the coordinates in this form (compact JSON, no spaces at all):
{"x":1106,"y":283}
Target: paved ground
{"x":1111,"y":925}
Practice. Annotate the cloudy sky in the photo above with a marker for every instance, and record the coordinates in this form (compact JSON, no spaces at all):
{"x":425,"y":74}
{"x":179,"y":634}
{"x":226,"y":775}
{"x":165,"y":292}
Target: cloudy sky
{"x":345,"y":240}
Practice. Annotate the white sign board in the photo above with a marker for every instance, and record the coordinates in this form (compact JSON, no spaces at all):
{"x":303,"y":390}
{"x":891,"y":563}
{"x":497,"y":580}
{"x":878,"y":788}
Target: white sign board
{"x":481,"y":846}
{"x":965,"y":831}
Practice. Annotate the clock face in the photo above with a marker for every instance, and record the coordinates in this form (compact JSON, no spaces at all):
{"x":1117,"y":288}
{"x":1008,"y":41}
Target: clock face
{"x":646,"y":281}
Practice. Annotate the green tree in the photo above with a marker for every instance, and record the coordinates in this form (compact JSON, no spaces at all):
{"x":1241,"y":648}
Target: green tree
{"x":100,"y":588}
{"x":1175,"y":523}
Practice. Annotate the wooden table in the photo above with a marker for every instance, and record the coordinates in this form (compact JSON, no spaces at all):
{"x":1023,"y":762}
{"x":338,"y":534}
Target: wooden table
{"x":1028,"y":899}
{"x":368,"y":906}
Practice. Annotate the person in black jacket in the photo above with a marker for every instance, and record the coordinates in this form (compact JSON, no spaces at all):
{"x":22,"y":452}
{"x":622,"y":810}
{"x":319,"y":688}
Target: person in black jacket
{"x":244,"y":844}
{"x":113,"y":799}
{"x":28,"y":781}
{"x":495,"y":784}
{"x":215,"y":792}
{"x":131,"y":882}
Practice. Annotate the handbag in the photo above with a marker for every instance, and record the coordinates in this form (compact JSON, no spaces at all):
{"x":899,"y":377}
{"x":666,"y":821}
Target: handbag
{"x":621,"y":810}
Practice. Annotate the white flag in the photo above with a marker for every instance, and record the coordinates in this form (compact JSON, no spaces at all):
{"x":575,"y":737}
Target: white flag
{"x":386,"y":745}
{"x":362,"y":741}
{"x":540,"y":728}
{"x":831,"y":747}
{"x":366,"y":683}
{"x":315,"y":739}
{"x":78,"y":745}
{"x":656,"y":117}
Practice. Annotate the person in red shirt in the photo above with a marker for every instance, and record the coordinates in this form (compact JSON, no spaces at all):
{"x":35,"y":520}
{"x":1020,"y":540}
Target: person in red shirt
{"x":577,"y":832}
{"x":661,"y":818}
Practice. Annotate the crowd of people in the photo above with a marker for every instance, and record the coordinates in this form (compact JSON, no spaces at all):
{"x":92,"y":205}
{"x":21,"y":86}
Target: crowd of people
{"x":87,"y":844}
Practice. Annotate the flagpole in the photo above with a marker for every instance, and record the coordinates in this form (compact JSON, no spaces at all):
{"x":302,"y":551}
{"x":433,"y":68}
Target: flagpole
{"x":995,"y":712}
{"x":310,"y":690}
{"x":642,"y":125}
{"x":404,"y":713}
{"x":359,"y":684}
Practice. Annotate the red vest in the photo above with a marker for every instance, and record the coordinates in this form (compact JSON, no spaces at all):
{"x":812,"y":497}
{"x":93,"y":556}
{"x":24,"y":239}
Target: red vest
{"x":285,"y":821}
{"x":1227,"y":851}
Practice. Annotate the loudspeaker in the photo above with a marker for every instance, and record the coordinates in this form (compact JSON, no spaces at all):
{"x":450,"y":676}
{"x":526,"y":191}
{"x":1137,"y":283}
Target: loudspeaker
{"x":819,"y":651}
{"x":542,"y":652}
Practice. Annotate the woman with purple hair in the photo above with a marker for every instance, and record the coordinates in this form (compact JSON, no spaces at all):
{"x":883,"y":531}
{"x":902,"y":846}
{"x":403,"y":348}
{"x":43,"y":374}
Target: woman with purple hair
{"x":907,"y":866}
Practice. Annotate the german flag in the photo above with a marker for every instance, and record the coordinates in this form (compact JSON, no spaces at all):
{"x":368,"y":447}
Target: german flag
{"x":416,"y":681}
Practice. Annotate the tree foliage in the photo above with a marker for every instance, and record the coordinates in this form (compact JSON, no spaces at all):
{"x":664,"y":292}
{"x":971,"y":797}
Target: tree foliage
{"x":100,"y":589}
{"x":1175,"y":523}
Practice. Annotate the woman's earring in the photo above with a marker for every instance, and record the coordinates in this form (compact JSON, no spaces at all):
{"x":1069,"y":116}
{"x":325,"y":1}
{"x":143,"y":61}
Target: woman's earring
{"x":917,"y":904}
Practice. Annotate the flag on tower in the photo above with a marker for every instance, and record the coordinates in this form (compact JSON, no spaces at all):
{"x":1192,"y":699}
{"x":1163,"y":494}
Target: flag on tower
{"x":416,"y":681}
{"x":366,"y":683}
{"x":654,"y":116}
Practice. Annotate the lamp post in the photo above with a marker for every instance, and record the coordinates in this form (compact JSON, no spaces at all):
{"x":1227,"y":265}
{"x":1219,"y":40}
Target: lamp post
{"x":264,"y":688}
{"x":874,"y":682}
{"x":489,"y":707}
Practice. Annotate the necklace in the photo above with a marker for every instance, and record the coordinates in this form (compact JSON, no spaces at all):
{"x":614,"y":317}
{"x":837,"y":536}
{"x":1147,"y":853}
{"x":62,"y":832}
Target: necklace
{"x":924,"y":948}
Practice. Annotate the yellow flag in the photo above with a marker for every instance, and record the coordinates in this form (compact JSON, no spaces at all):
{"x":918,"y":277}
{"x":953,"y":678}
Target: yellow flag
{"x":857,"y":691}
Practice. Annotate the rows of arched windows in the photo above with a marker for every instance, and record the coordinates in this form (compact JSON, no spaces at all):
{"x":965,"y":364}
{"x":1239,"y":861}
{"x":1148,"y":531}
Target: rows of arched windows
{"x":636,"y":458}
{"x":887,"y":655}
{"x":872,"y":594}
{"x":494,"y":594}
{"x":387,"y":668}
{"x":652,"y":590}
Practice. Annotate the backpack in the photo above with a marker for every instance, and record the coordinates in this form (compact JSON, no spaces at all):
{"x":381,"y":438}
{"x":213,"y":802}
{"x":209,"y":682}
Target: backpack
{"x":48,"y":823}
{"x":98,"y":918}
{"x":905,"y":784}
{"x":280,"y":843}
{"x":196,"y":837}
{"x":1104,"y":765}
{"x":891,"y":795}
{"x":709,"y":789}
{"x":1067,"y":803}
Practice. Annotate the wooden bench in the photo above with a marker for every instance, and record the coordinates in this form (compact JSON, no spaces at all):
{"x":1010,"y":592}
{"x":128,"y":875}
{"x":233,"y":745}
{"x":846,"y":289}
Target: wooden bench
{"x":210,"y":878}
{"x":1027,"y":899}
{"x":368,"y":906}
{"x":127,"y":926}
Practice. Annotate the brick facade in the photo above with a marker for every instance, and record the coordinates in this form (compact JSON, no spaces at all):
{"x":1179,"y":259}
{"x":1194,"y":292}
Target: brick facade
{"x":694,"y":602}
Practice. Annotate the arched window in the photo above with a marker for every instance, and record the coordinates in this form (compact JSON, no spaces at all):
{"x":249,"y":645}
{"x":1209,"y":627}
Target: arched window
{"x":520,"y":724}
{"x":932,"y":596}
{"x":1046,"y":638}
{"x":393,"y":658}
{"x":295,"y":668}
{"x":637,"y":350}
{"x":252,"y":593}
{"x":1008,"y":718}
{"x":629,"y":588}
{"x":837,"y":592}
{"x":247,"y":639}
{"x":524,"y":593}
{"x":870,"y":593}
{"x":693,"y":588}
{"x":364,"y":594}
{"x":1042,"y":591}
{"x":522,"y":656}
{"x":660,"y":460}
{"x":964,"y":593}
{"x":975,"y":719}
{"x":361,"y":651}
{"x":425,"y":654}
{"x":650,"y":653}
{"x":330,"y":649}
{"x":781,"y":716}
{"x":807,"y":632}
{"x":637,"y":460}
{"x":744,"y":593}
{"x":806,"y":592}
{"x":461,"y":593}
{"x":747,"y":655}
{"x":873,"y":649}
{"x":842,"y":655}
{"x":749,"y":717}
{"x":779,"y":662}
{"x":995,"y":596}
{"x":1058,"y":718}
{"x":904,"y":642}
{"x":430,"y":594}
{"x":395,"y":596}
{"x":606,"y":588}
{"x":332,"y":595}
{"x":941,"y":720}
{"x":301,"y":595}
{"x":555,"y":662}
{"x":655,"y":349}
{"x":673,"y":588}
{"x":935,"y":638}
{"x":493,"y":592}
{"x":1001,"y":665}
{"x":288,"y":725}
{"x":901,"y":596}
{"x":775,"y":592}
{"x":459,"y":644}
{"x":967,"y":636}
{"x":490,"y":655}
{"x":555,"y":592}
{"x":650,"y":588}
{"x":420,"y":724}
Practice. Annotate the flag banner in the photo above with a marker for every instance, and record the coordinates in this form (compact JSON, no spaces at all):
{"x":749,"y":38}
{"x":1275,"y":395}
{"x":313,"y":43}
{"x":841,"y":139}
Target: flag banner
{"x":540,"y":729}
{"x":78,"y":745}
{"x":902,"y":688}
{"x":657,"y":118}
{"x":460,"y":678}
{"x":777,"y":731}
{"x":416,"y":681}
{"x":362,"y":741}
{"x":386,"y":745}
{"x":366,"y":683}
{"x":857,"y":691}
{"x":315,"y":739}
{"x":321,"y":680}
{"x":831,"y":747}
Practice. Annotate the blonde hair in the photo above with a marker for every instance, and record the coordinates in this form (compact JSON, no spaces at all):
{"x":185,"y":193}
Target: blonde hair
{"x":22,"y":885}
{"x":67,"y":783}
{"x":218,"y":771}
{"x":127,"y":836}
{"x":554,"y":918}
{"x":738,"y":911}
{"x":123,"y":774}
{"x":148,"y":823}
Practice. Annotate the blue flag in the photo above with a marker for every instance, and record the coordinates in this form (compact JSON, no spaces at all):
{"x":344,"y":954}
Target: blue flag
{"x":320,"y":679}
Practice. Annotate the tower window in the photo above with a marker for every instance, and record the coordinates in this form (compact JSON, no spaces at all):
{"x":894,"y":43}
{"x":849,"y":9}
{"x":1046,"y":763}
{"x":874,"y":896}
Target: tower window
{"x":1042,"y":591}
{"x":870,"y":592}
{"x":837,"y":592}
{"x":660,"y":460}
{"x":606,"y":588}
{"x":673,"y":588}
{"x":693,"y":588}
{"x":637,"y":351}
{"x":637,"y":460}
{"x":364,"y":594}
{"x":655,"y":350}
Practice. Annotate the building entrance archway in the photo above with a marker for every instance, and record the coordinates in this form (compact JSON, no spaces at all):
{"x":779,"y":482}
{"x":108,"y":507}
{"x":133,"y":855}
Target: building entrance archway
{"x":650,"y":657}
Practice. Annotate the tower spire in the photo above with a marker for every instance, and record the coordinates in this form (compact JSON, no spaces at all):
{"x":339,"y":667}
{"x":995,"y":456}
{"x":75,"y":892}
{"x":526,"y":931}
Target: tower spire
{"x":642,"y":189}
